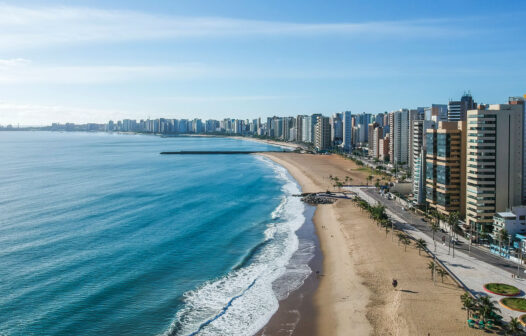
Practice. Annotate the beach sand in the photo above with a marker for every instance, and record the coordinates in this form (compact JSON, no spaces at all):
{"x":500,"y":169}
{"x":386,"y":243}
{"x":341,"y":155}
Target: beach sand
{"x":354,"y":295}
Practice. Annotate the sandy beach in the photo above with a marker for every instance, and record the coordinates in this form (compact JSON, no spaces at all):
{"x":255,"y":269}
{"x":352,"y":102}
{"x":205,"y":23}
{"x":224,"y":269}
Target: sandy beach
{"x":354,"y":294}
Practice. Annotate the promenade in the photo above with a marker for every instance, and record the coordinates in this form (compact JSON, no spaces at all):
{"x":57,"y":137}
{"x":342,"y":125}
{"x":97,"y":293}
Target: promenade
{"x":472,"y":272}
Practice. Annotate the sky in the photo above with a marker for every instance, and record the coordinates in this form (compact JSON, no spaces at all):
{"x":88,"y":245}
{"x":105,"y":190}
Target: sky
{"x":92,"y":61}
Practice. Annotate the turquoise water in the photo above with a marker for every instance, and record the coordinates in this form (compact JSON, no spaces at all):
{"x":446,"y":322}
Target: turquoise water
{"x":101,"y":235}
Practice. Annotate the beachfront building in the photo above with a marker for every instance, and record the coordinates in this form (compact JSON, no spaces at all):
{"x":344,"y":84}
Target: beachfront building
{"x":513,"y":221}
{"x":445,"y":167}
{"x":418,"y":165}
{"x":414,"y":114}
{"x":299,"y":127}
{"x":494,"y":163}
{"x":347,"y":131}
{"x":399,"y":136}
{"x":521,"y":103}
{"x":322,"y":138}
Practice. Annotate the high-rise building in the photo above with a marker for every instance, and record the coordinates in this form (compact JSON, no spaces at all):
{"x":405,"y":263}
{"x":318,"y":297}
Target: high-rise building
{"x":379,"y":119}
{"x":306,"y":135}
{"x":494,"y":163}
{"x":418,"y":156}
{"x":299,"y":127}
{"x":520,"y":101}
{"x":456,"y":110}
{"x":362,"y":121}
{"x":445,"y":167}
{"x":336,"y":129}
{"x":322,"y":139}
{"x":347,"y":131}
{"x":383,"y":148}
{"x":377,"y":138}
{"x":437,"y":113}
{"x":414,"y":114}
{"x":370,"y":145}
{"x":399,"y":136}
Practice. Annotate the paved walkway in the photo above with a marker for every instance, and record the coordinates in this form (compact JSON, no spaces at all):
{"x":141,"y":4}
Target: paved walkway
{"x":472,"y":272}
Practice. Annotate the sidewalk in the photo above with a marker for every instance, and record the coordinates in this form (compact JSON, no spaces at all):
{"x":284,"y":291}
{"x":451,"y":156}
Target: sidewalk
{"x":471,"y":272}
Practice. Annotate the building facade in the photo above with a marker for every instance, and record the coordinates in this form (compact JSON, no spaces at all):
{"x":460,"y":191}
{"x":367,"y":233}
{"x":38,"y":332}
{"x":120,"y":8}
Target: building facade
{"x":494,"y":163}
{"x":445,"y":167}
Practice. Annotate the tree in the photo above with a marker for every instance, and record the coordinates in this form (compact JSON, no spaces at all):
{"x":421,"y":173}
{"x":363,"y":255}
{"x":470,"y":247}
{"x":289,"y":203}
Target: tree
{"x":503,"y":238}
{"x":406,"y":242}
{"x":468,"y":303}
{"x":486,"y":307}
{"x":431,"y":266}
{"x":369,"y":178}
{"x":514,"y":327}
{"x":400,"y":236}
{"x":420,"y":244}
{"x":452,"y":221}
{"x":442,"y":273}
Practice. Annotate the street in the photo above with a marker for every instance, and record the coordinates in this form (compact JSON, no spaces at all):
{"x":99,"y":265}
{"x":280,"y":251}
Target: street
{"x":425,"y":227}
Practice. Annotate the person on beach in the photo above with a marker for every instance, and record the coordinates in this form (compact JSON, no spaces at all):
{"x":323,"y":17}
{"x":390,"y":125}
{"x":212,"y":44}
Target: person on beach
{"x":395,"y":283}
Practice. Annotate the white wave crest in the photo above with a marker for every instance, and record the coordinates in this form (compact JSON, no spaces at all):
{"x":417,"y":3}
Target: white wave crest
{"x":243,"y":301}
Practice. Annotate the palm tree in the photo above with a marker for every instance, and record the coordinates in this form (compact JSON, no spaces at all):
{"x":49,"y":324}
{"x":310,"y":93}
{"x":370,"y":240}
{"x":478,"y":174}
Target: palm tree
{"x":442,"y":273}
{"x":431,"y":266}
{"x":503,"y":238}
{"x":452,"y":221}
{"x":486,"y":307}
{"x":468,"y":303}
{"x":420,"y":244}
{"x":514,"y":327}
{"x":406,"y":241}
{"x":400,"y":236}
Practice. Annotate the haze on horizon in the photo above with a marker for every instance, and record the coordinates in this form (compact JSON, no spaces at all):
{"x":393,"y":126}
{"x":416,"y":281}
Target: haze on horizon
{"x":63,"y":61}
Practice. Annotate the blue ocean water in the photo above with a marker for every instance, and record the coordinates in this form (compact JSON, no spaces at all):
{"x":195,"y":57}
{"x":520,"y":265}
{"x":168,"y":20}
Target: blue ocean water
{"x":101,"y":235}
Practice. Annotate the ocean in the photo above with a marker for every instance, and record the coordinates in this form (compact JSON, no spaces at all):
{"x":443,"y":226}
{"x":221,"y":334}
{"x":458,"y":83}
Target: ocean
{"x":102,"y":235}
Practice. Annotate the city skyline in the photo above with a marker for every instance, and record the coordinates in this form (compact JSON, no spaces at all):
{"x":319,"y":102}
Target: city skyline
{"x":73,"y":63}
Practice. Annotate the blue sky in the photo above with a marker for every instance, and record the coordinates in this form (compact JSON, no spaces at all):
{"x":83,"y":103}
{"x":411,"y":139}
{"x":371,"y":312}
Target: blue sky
{"x":91,"y":61}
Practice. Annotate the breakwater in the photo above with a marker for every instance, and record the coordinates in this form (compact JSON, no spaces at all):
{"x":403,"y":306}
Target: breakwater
{"x":214,"y":152}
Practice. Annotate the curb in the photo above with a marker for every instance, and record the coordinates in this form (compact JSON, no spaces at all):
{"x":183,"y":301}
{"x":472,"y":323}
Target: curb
{"x":507,"y":295}
{"x":512,"y":309}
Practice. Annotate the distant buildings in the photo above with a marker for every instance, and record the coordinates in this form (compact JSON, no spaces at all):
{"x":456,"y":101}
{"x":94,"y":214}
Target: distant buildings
{"x":461,"y":156}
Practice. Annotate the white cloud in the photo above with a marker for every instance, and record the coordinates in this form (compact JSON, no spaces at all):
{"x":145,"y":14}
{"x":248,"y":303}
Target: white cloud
{"x":21,"y":71}
{"x":24,"y":27}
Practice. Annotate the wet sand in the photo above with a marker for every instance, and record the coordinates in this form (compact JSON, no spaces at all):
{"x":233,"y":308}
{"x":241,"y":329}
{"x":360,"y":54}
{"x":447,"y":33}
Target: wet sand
{"x":354,"y":295}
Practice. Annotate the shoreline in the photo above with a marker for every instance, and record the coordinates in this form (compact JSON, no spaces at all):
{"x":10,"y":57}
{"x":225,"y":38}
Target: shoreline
{"x":295,"y":314}
{"x":326,"y":320}
{"x":360,"y":260}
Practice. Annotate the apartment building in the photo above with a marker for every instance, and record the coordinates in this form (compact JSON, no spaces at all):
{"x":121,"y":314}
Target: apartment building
{"x":495,"y":150}
{"x":445,"y":167}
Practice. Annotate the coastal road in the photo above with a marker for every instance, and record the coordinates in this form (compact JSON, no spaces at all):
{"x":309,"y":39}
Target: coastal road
{"x":416,"y":221}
